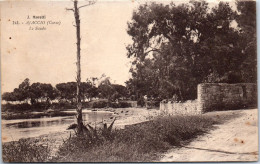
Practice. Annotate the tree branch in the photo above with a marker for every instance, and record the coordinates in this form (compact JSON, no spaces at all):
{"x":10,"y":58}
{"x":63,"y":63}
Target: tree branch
{"x":168,"y":36}
{"x":89,"y":3}
{"x":70,"y":9}
{"x":156,"y":50}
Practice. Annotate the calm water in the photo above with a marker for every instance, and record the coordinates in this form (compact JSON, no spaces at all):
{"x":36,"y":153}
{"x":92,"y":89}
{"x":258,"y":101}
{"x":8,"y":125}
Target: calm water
{"x":13,"y":130}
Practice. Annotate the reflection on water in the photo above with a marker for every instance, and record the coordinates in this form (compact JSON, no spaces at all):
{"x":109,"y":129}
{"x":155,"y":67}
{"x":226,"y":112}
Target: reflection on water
{"x":25,"y":128}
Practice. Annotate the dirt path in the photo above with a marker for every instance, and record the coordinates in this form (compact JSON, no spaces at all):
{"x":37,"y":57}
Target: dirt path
{"x":236,"y":140}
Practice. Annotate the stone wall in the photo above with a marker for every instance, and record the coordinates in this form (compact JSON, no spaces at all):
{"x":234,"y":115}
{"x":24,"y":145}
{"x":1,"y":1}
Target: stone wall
{"x":215,"y":96}
{"x":184,"y":108}
{"x":223,"y":96}
{"x":133,"y":103}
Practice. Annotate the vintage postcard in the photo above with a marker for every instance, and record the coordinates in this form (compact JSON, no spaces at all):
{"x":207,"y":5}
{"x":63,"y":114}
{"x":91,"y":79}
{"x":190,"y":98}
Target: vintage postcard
{"x":129,"y":81}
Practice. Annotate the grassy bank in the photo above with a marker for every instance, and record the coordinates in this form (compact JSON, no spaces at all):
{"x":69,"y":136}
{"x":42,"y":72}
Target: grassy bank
{"x":143,"y":142}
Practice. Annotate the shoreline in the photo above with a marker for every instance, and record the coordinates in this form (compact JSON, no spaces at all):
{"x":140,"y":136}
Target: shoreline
{"x":123,"y":116}
{"x":207,"y":123}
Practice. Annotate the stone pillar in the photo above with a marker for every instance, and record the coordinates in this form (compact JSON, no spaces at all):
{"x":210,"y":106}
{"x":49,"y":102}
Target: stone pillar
{"x":201,"y":98}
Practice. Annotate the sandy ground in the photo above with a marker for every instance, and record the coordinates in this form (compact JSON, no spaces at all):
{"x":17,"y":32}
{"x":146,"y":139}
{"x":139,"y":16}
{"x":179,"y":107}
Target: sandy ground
{"x":128,"y":116}
{"x":236,"y":140}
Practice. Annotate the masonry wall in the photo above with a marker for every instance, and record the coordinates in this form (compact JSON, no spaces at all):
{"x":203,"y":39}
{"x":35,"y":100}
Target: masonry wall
{"x":133,"y":103}
{"x":174,"y":108}
{"x":215,"y":96}
{"x":223,"y":96}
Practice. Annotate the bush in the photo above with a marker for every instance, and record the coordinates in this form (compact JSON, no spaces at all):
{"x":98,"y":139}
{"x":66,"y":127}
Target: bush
{"x":124,"y":105}
{"x":119,"y":105}
{"x":40,"y":106}
{"x":16,"y":107}
{"x":100,"y":104}
{"x":63,"y":105}
{"x":104,"y":104}
{"x":86,"y":105}
{"x":114,"y":105}
{"x":141,"y":102}
{"x":25,"y":150}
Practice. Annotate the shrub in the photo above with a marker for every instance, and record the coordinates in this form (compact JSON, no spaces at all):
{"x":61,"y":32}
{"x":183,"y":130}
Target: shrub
{"x":141,"y":102}
{"x":40,"y":106}
{"x":100,"y":104}
{"x":86,"y":105}
{"x":114,"y":105}
{"x":119,"y":104}
{"x":25,"y":150}
{"x":124,"y":105}
{"x":63,"y":105}
{"x":104,"y":104}
{"x":16,"y":107}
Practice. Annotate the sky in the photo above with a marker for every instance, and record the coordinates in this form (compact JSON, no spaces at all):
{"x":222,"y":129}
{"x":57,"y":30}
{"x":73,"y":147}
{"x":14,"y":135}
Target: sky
{"x":49,"y":56}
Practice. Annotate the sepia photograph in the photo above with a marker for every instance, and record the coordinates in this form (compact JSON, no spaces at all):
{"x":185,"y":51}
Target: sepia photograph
{"x":129,"y":81}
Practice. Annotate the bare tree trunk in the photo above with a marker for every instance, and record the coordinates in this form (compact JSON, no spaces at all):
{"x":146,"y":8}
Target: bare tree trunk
{"x":78,"y":99}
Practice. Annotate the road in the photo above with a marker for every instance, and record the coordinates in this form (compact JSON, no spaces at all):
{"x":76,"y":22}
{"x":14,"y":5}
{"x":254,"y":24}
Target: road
{"x":236,"y":140}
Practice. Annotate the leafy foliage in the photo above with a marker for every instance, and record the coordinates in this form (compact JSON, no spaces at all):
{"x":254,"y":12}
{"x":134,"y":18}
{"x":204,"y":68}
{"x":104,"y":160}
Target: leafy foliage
{"x":247,"y":23}
{"x":40,"y":95}
{"x":91,"y":136}
{"x":111,"y":91}
{"x":104,"y":104}
{"x":176,"y":47}
{"x":26,"y":150}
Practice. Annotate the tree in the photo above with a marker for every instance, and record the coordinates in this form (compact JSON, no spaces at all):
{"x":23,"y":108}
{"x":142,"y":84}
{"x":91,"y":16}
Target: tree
{"x":67,"y":91}
{"x":19,"y":94}
{"x":88,"y":90}
{"x":92,"y":90}
{"x":35,"y":92}
{"x":176,"y":47}
{"x":78,"y":79}
{"x":8,"y":96}
{"x":246,"y":19}
{"x":121,"y":90}
{"x":105,"y":88}
{"x":43,"y":92}
{"x":23,"y":91}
